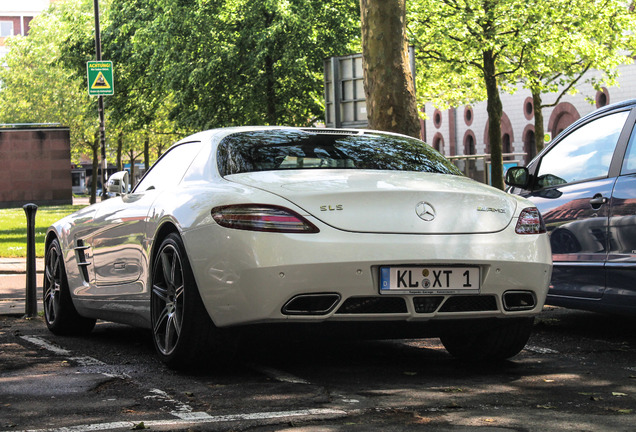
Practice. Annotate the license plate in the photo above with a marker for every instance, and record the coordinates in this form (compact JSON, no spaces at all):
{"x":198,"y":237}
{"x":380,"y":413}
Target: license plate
{"x":428,"y":280}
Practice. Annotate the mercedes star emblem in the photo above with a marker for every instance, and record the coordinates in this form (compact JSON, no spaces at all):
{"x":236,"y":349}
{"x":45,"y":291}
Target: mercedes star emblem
{"x":425,"y":211}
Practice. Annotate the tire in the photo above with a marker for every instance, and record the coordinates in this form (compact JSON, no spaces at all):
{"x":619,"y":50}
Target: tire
{"x":501,"y":342}
{"x":59,"y":312}
{"x":182,"y":331}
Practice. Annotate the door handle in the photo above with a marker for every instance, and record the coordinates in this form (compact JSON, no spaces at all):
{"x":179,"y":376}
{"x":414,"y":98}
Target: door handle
{"x":598,"y":201}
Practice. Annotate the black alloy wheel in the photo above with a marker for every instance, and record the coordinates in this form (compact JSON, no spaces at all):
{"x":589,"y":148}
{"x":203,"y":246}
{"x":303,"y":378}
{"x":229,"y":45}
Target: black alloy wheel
{"x":183,"y":332}
{"x":59,"y":312}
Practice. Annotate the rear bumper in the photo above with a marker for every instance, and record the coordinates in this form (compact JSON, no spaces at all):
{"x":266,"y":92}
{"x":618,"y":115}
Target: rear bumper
{"x":248,"y":277}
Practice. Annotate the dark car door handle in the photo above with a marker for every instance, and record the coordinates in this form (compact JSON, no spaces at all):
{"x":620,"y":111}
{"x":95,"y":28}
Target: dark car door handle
{"x":598,"y":201}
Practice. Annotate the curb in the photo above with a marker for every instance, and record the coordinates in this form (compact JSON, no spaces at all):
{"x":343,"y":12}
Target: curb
{"x":13,"y":286}
{"x":15,"y":307}
{"x":18,"y":265}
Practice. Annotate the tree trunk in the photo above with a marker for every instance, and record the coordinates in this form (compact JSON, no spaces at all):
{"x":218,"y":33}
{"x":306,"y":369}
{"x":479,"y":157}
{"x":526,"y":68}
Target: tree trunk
{"x":160,"y":149}
{"x":539,"y":131}
{"x":147,"y":153}
{"x":131,"y":154}
{"x":120,"y":145}
{"x":495,"y":110}
{"x":388,"y":83}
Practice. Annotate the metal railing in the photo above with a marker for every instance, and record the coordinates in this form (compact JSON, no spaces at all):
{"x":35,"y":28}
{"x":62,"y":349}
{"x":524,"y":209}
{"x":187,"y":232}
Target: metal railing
{"x":477,"y":167}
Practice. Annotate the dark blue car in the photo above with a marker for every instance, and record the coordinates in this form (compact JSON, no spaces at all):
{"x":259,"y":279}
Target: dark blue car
{"x":584,"y":184}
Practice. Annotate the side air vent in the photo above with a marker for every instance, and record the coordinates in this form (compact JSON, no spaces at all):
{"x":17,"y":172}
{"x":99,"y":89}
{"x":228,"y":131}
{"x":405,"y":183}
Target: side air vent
{"x":475,"y":303}
{"x":311,"y":304}
{"x":373,"y":305}
{"x":80,"y":253}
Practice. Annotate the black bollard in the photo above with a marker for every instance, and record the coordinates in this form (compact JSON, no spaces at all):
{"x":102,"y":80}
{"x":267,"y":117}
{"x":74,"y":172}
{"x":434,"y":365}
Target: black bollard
{"x":31,"y":308}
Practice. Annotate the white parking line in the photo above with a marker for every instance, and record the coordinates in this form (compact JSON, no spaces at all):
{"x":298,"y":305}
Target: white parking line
{"x":321,"y":413}
{"x":46,"y":345}
{"x":177,"y":409}
{"x":182,"y":410}
{"x":83,"y":361}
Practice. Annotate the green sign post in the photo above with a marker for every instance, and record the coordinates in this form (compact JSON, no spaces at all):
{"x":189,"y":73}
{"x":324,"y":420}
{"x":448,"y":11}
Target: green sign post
{"x":100,"y":78}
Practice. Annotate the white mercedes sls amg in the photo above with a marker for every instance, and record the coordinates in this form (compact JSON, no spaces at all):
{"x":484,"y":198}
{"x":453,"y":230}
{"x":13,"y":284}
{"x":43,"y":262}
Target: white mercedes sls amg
{"x":372,"y":233}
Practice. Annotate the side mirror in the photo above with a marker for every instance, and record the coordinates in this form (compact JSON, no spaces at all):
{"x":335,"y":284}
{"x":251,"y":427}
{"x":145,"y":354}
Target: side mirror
{"x":118,"y":183}
{"x":518,"y":177}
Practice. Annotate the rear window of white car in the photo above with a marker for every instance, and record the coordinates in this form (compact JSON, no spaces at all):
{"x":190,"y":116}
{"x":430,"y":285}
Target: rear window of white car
{"x":296,"y":149}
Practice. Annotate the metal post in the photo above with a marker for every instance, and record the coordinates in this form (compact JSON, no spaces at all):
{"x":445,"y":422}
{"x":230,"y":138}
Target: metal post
{"x":102,"y":138}
{"x":31,"y":307}
{"x":100,"y":102}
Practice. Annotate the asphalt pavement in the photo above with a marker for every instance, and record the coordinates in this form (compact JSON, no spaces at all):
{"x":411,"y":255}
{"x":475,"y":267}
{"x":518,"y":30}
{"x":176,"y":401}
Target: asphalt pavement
{"x":13,"y":285}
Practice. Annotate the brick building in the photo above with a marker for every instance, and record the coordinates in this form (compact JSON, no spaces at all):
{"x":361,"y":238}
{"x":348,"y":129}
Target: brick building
{"x":36,"y":164}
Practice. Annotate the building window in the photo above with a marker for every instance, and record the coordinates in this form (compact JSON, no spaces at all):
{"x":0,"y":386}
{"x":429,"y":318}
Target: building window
{"x":602,"y":98}
{"x":529,"y":145}
{"x":469,"y":144}
{"x":506,"y":146}
{"x":6,"y":28}
{"x":468,"y":115}
{"x":437,"y":118}
{"x":438,"y":143}
{"x":563,"y":115}
{"x":528,"y":108}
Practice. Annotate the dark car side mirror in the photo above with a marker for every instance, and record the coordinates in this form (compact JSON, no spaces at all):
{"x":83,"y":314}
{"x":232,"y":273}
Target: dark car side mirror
{"x":518,"y":177}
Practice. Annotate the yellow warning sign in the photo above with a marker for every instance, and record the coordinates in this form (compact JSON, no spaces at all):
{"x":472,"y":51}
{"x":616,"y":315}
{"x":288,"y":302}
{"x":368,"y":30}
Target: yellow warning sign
{"x":100,"y":82}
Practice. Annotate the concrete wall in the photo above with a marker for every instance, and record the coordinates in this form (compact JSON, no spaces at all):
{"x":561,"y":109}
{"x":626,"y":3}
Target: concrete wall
{"x":35,"y":166}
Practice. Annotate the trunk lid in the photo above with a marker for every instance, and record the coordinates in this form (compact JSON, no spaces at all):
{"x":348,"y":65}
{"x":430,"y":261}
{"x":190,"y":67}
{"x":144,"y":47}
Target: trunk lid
{"x":393,"y":202}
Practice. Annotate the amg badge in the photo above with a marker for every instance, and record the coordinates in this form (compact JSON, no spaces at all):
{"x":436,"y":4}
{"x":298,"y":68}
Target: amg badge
{"x":491,"y":209}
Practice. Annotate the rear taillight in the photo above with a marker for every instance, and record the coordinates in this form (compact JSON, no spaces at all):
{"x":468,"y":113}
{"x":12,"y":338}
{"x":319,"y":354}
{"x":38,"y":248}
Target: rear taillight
{"x":260,"y":217}
{"x":530,"y":222}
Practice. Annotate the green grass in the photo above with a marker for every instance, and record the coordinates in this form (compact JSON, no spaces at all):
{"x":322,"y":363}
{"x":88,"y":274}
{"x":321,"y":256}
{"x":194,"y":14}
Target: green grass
{"x":13,"y":228}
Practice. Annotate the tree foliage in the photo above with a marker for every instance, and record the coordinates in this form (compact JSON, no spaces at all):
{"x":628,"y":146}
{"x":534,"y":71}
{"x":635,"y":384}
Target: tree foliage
{"x":484,"y":41}
{"x":584,"y":35}
{"x":470,"y":50}
{"x":186,"y":65}
{"x":179,"y":65}
{"x":37,"y":87}
{"x":229,"y":62}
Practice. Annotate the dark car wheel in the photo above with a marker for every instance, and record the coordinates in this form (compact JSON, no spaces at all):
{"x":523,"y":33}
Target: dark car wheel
{"x":183,"y":333}
{"x":59,"y":312}
{"x":501,"y":342}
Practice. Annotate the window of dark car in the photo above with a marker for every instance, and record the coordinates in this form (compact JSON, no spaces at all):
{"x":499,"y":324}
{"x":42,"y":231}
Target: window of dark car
{"x":629,"y":163}
{"x":169,"y":169}
{"x":297,"y":149}
{"x":584,"y":154}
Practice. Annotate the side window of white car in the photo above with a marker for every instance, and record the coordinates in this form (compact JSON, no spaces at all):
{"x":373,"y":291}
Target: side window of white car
{"x":585,"y":153}
{"x":170,"y":168}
